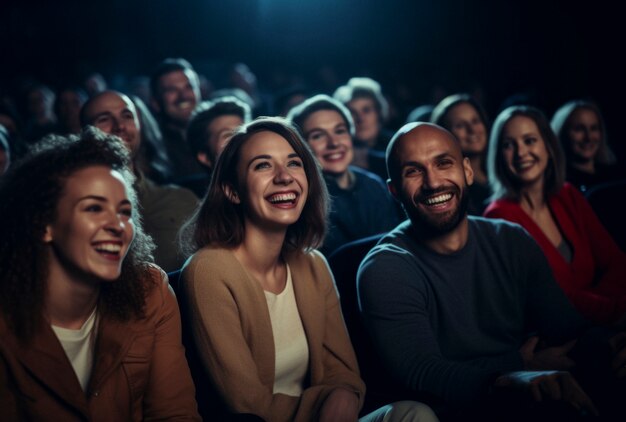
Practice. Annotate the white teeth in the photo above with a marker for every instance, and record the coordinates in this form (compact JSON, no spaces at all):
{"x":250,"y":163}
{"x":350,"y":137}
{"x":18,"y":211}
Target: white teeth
{"x":282,"y":197}
{"x":108,"y":247}
{"x":335,"y":156}
{"x":439,"y":199}
{"x":524,"y":165}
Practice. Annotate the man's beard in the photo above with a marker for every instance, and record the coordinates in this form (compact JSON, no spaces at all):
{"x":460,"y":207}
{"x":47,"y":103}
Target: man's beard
{"x":433,"y":225}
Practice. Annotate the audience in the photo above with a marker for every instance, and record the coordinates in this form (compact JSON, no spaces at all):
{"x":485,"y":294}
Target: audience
{"x":164,"y":208}
{"x":360,"y":203}
{"x":527,"y":170}
{"x":459,"y":308}
{"x":89,"y":330}
{"x":263,"y":306}
{"x":466,"y":119}
{"x":464,"y":310}
{"x":580,"y":128}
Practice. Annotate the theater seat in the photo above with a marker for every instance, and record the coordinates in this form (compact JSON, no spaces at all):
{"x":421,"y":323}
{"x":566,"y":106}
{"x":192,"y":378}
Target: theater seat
{"x":344,"y":263}
{"x":605,"y":199}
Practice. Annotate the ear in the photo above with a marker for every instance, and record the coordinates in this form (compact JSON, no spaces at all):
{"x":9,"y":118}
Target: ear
{"x":469,"y":173}
{"x":231,"y":194}
{"x":47,"y":236}
{"x":392,"y":189}
{"x":204,"y":159}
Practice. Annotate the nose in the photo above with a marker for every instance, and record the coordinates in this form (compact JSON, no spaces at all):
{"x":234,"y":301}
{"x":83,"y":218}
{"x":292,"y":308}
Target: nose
{"x":332,"y":141}
{"x":283,"y":176}
{"x":115,"y":225}
{"x":118,"y":126}
{"x":431,"y":179}
{"x":519,"y":149}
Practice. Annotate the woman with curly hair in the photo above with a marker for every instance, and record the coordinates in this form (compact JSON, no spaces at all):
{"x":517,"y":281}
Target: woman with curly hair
{"x":88,"y":327}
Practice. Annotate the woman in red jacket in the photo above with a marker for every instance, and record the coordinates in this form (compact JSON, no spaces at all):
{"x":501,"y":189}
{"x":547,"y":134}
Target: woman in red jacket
{"x":89,"y":330}
{"x":526,"y":171}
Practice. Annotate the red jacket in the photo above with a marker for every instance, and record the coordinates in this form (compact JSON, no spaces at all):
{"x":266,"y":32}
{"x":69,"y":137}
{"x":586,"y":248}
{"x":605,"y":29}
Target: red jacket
{"x":595,"y":279}
{"x":140,"y":371}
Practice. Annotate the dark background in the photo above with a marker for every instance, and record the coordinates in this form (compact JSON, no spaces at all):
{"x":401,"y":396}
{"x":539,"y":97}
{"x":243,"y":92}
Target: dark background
{"x":553,"y":50}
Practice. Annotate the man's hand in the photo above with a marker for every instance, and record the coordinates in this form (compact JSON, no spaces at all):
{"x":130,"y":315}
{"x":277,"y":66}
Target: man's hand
{"x":548,"y":385}
{"x":618,"y":349}
{"x":549,"y":358}
{"x":341,"y":405}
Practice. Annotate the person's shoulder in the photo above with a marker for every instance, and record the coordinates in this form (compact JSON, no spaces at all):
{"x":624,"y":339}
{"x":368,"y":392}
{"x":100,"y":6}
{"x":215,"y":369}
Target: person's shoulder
{"x":497,"y":229}
{"x":395,"y":243}
{"x":209,"y":257}
{"x":158,"y":290}
{"x":367,"y":177}
{"x":499,"y":207}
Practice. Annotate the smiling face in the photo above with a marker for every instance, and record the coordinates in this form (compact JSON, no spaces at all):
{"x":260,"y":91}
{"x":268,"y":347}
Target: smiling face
{"x":432,"y":178}
{"x":178,"y":95}
{"x":465,"y":123}
{"x":366,"y":119}
{"x":524,"y":151}
{"x":116,"y":114}
{"x":585,"y":134}
{"x":273,"y":186}
{"x":93,"y":228}
{"x":328,"y":135}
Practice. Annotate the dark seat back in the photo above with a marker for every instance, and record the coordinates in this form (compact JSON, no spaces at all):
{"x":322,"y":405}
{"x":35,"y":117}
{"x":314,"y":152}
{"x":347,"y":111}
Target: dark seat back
{"x":603,"y":199}
{"x":344,"y":263}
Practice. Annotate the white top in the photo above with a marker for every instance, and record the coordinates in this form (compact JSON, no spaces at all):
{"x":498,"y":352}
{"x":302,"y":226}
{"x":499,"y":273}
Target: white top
{"x":78,"y":346}
{"x":292,"y":350}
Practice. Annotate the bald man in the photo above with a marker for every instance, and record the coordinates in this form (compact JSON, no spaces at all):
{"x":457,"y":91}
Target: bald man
{"x":450,"y":300}
{"x":164,"y":208}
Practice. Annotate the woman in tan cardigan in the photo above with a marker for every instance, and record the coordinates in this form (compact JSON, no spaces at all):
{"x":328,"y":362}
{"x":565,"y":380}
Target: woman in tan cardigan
{"x":89,"y":330}
{"x":262,"y":303}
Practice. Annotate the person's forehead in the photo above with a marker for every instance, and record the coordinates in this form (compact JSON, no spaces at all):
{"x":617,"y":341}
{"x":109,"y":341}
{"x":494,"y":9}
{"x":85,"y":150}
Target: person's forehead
{"x":110,"y":101}
{"x":426,"y":142}
{"x":178,"y":76}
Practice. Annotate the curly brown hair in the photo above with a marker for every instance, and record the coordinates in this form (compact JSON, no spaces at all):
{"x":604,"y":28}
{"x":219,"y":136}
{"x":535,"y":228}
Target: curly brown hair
{"x":29,"y":194}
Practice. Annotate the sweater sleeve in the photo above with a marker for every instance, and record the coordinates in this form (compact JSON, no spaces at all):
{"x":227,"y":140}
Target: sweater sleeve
{"x":170,"y":393}
{"x":339,"y":364}
{"x":394,"y":306}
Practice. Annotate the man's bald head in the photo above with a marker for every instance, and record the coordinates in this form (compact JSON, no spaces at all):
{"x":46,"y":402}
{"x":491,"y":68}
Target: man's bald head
{"x":415,"y":132}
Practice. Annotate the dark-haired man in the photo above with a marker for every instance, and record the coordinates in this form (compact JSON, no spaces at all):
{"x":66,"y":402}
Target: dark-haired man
{"x":175,"y":92}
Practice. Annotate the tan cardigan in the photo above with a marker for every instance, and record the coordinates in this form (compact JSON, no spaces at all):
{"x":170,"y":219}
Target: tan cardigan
{"x":233,"y":334}
{"x":140,"y":371}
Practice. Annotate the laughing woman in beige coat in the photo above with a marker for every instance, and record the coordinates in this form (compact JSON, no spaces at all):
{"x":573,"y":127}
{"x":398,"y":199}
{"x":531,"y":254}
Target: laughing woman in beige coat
{"x":262,"y":302}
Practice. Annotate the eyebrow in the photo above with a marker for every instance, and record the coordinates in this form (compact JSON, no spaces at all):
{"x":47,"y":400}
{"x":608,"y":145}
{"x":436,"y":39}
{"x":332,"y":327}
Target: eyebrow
{"x":102,"y":199}
{"x":436,"y":157}
{"x":269,"y":157}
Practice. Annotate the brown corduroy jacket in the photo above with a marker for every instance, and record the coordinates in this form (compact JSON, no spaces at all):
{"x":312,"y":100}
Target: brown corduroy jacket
{"x":140,"y":371}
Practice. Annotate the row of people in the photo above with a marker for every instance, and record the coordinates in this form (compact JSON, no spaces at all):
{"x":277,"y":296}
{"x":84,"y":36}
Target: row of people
{"x":91,"y":330}
{"x":451,"y":301}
